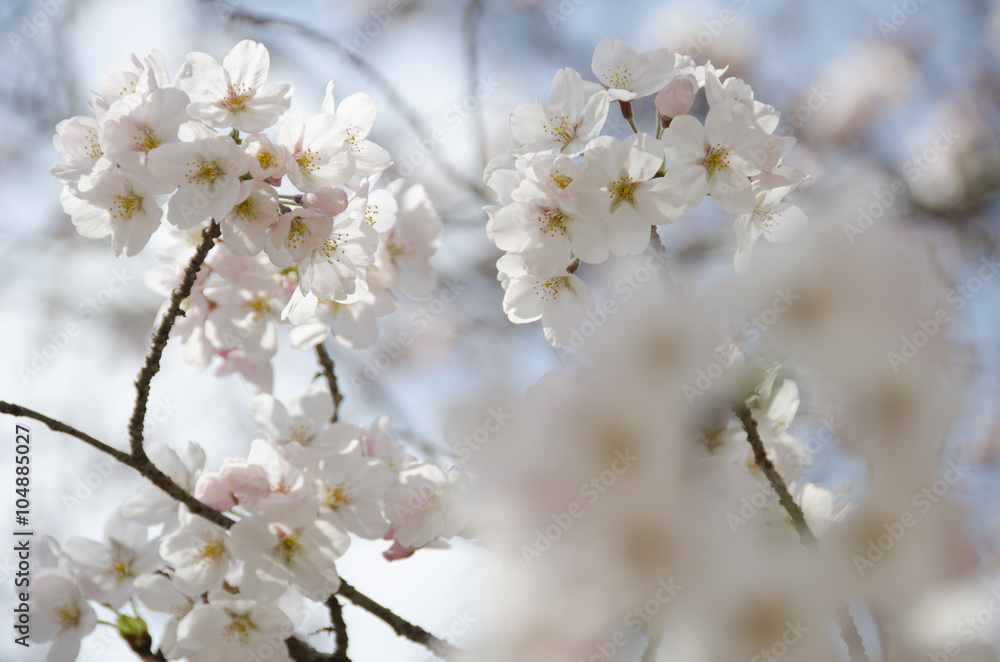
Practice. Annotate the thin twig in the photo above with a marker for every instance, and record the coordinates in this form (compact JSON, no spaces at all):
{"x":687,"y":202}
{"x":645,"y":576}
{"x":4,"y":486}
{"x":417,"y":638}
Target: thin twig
{"x":848,"y":629}
{"x":760,"y":457}
{"x":152,"y":365}
{"x":374,"y":77}
{"x":339,"y":628}
{"x":331,"y":379}
{"x":399,"y":625}
{"x":59,"y":426}
{"x":142,"y":464}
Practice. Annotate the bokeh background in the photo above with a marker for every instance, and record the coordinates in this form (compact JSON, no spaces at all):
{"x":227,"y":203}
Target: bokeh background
{"x":866,"y":87}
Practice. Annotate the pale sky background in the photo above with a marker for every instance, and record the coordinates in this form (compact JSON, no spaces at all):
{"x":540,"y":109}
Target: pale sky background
{"x":942,"y":58}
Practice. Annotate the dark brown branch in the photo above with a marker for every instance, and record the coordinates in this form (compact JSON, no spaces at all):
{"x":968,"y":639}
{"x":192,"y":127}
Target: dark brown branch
{"x":399,"y":625}
{"x":141,"y":464}
{"x":848,"y":629}
{"x":774,"y":478}
{"x":59,"y":426}
{"x":152,"y":365}
{"x":331,"y":378}
{"x":339,"y":628}
{"x":145,"y":467}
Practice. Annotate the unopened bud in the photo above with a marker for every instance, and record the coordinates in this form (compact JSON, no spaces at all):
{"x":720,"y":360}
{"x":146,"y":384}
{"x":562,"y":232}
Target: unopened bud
{"x":677,"y":97}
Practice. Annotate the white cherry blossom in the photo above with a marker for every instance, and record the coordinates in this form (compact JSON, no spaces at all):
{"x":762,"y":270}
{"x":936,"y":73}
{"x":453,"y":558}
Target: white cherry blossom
{"x":234,"y":93}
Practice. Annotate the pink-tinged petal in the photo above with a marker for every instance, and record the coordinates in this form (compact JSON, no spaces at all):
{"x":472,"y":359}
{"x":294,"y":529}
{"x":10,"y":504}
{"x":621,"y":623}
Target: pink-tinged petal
{"x":731,"y":191}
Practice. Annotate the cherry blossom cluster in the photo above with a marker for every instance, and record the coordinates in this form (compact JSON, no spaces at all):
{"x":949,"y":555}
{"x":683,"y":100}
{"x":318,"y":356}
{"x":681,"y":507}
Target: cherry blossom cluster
{"x":305,"y":485}
{"x":568,"y":194}
{"x":306,"y":237}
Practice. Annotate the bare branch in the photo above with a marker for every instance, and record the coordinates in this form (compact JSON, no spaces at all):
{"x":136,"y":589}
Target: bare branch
{"x":331,"y":378}
{"x":399,"y":625}
{"x":848,"y":629}
{"x":59,"y":426}
{"x":339,"y":628}
{"x":152,"y":365}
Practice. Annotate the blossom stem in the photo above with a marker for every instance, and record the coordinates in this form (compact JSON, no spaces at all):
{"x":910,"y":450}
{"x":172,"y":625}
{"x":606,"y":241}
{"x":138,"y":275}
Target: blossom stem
{"x":848,"y":629}
{"x":152,"y":365}
{"x":331,"y":378}
{"x":626,"y":107}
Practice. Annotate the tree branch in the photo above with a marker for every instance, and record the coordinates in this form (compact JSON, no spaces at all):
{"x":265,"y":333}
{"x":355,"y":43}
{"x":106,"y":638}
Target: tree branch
{"x":339,"y":628}
{"x":848,"y":629}
{"x":399,"y":625}
{"x":331,"y":378}
{"x":760,"y":457}
{"x":152,"y":365}
{"x":144,"y":466}
{"x":59,"y":426}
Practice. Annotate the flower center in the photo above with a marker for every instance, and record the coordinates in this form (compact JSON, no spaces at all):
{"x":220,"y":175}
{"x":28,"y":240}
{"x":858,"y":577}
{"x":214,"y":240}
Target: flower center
{"x":146,"y":139}
{"x":619,"y":79}
{"x":289,"y":547}
{"x":125,"y":206}
{"x":337,"y":495}
{"x":305,"y":161}
{"x":67,"y":615}
{"x":622,"y":190}
{"x":203,"y":172}
{"x":236,"y":98}
{"x":552,"y":222}
{"x":246,"y":210}
{"x":717,"y":158}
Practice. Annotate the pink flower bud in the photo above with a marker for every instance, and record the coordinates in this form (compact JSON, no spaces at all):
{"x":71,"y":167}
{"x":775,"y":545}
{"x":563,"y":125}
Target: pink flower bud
{"x":331,"y":201}
{"x":677,"y":97}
